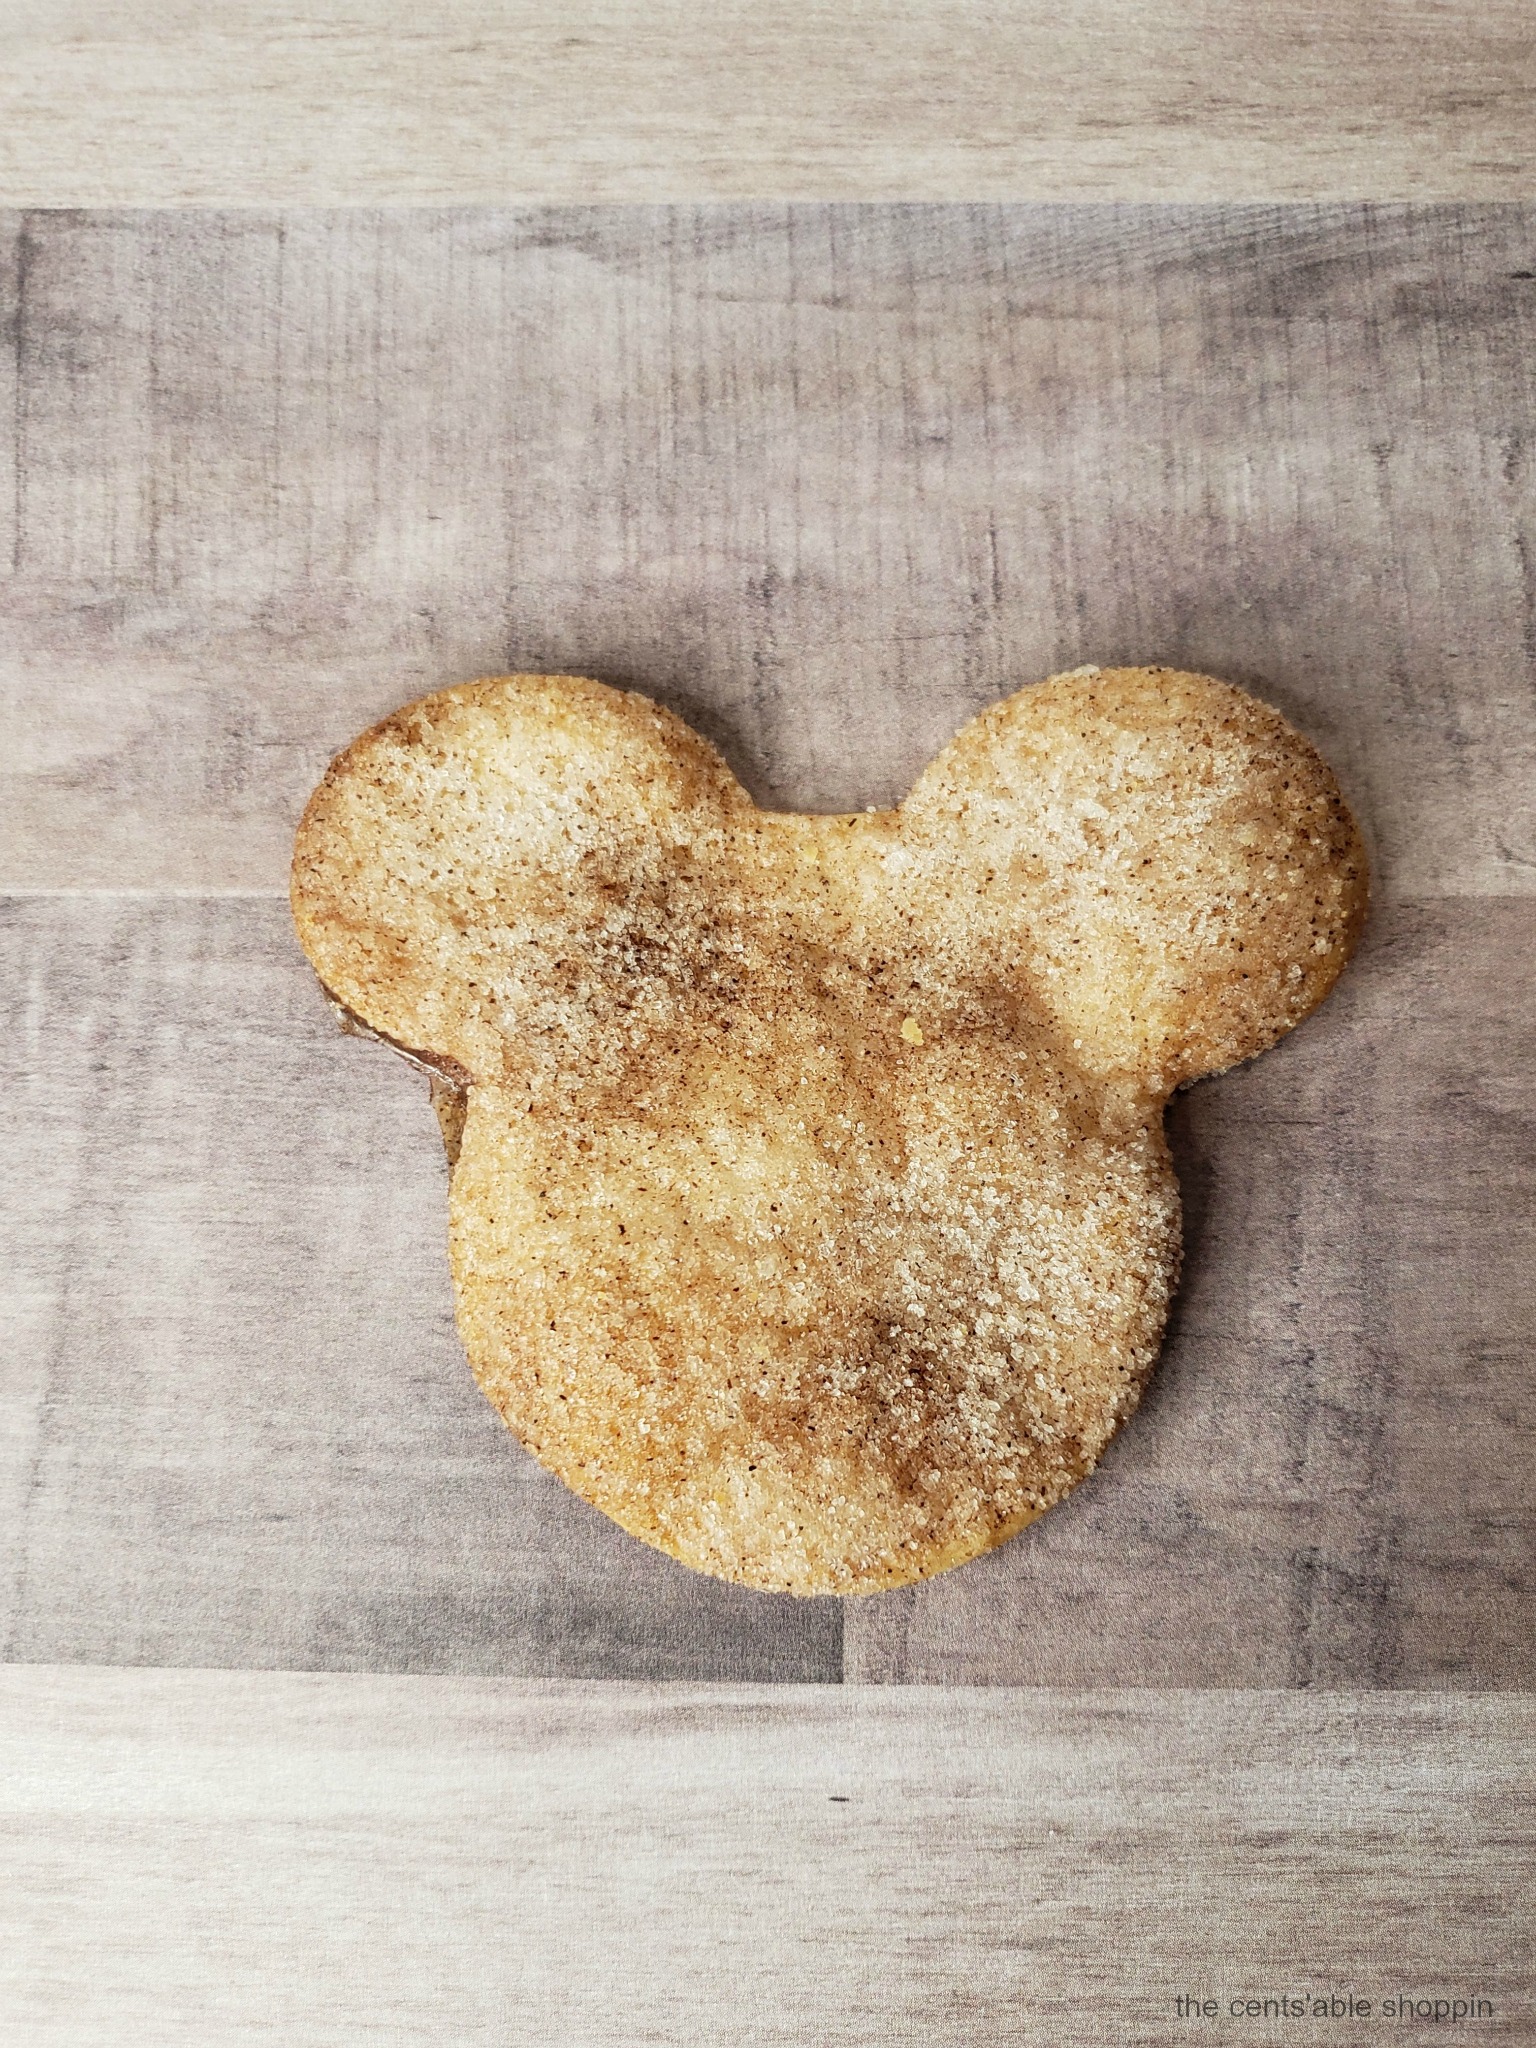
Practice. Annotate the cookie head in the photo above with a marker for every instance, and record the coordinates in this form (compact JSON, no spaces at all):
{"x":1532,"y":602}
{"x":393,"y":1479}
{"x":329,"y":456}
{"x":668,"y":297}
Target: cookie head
{"x":811,"y":1214}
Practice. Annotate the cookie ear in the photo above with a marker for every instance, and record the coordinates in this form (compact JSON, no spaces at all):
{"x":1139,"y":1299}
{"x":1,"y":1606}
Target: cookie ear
{"x":1162,"y":860}
{"x":458,"y":864}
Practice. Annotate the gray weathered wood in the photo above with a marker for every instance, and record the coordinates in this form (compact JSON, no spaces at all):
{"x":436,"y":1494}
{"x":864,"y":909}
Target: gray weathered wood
{"x":827,"y":479}
{"x":245,"y":1433}
{"x":1333,"y":1478}
{"x":262,"y":101}
{"x":195,"y":1857}
{"x":239,"y":1429}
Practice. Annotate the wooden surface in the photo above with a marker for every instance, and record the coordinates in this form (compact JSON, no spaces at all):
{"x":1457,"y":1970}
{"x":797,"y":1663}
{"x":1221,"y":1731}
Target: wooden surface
{"x":194,"y":1857}
{"x":341,"y":101}
{"x":242,"y":1431}
{"x":827,"y":480}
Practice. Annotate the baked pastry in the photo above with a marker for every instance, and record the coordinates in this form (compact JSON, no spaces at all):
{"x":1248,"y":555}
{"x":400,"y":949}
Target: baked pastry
{"x":810,"y":1210}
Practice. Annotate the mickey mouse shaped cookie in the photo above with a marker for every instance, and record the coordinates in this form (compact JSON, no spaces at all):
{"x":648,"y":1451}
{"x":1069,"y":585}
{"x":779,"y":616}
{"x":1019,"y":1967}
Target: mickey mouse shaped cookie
{"x":810,"y":1211}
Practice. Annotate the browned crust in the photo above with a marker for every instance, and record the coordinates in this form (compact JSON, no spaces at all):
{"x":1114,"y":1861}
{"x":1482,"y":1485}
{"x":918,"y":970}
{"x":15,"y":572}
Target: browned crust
{"x":811,"y":1213}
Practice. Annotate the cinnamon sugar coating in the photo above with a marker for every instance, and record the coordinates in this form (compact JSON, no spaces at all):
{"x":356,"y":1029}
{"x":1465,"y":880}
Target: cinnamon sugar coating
{"x":811,"y":1213}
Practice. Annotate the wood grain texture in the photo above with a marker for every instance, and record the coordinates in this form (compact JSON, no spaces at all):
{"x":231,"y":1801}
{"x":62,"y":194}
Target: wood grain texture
{"x":192,"y":1856}
{"x":244,"y":1433}
{"x":239,"y":1426}
{"x":1333,"y":1479}
{"x":827,"y":480}
{"x":372,"y":101}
